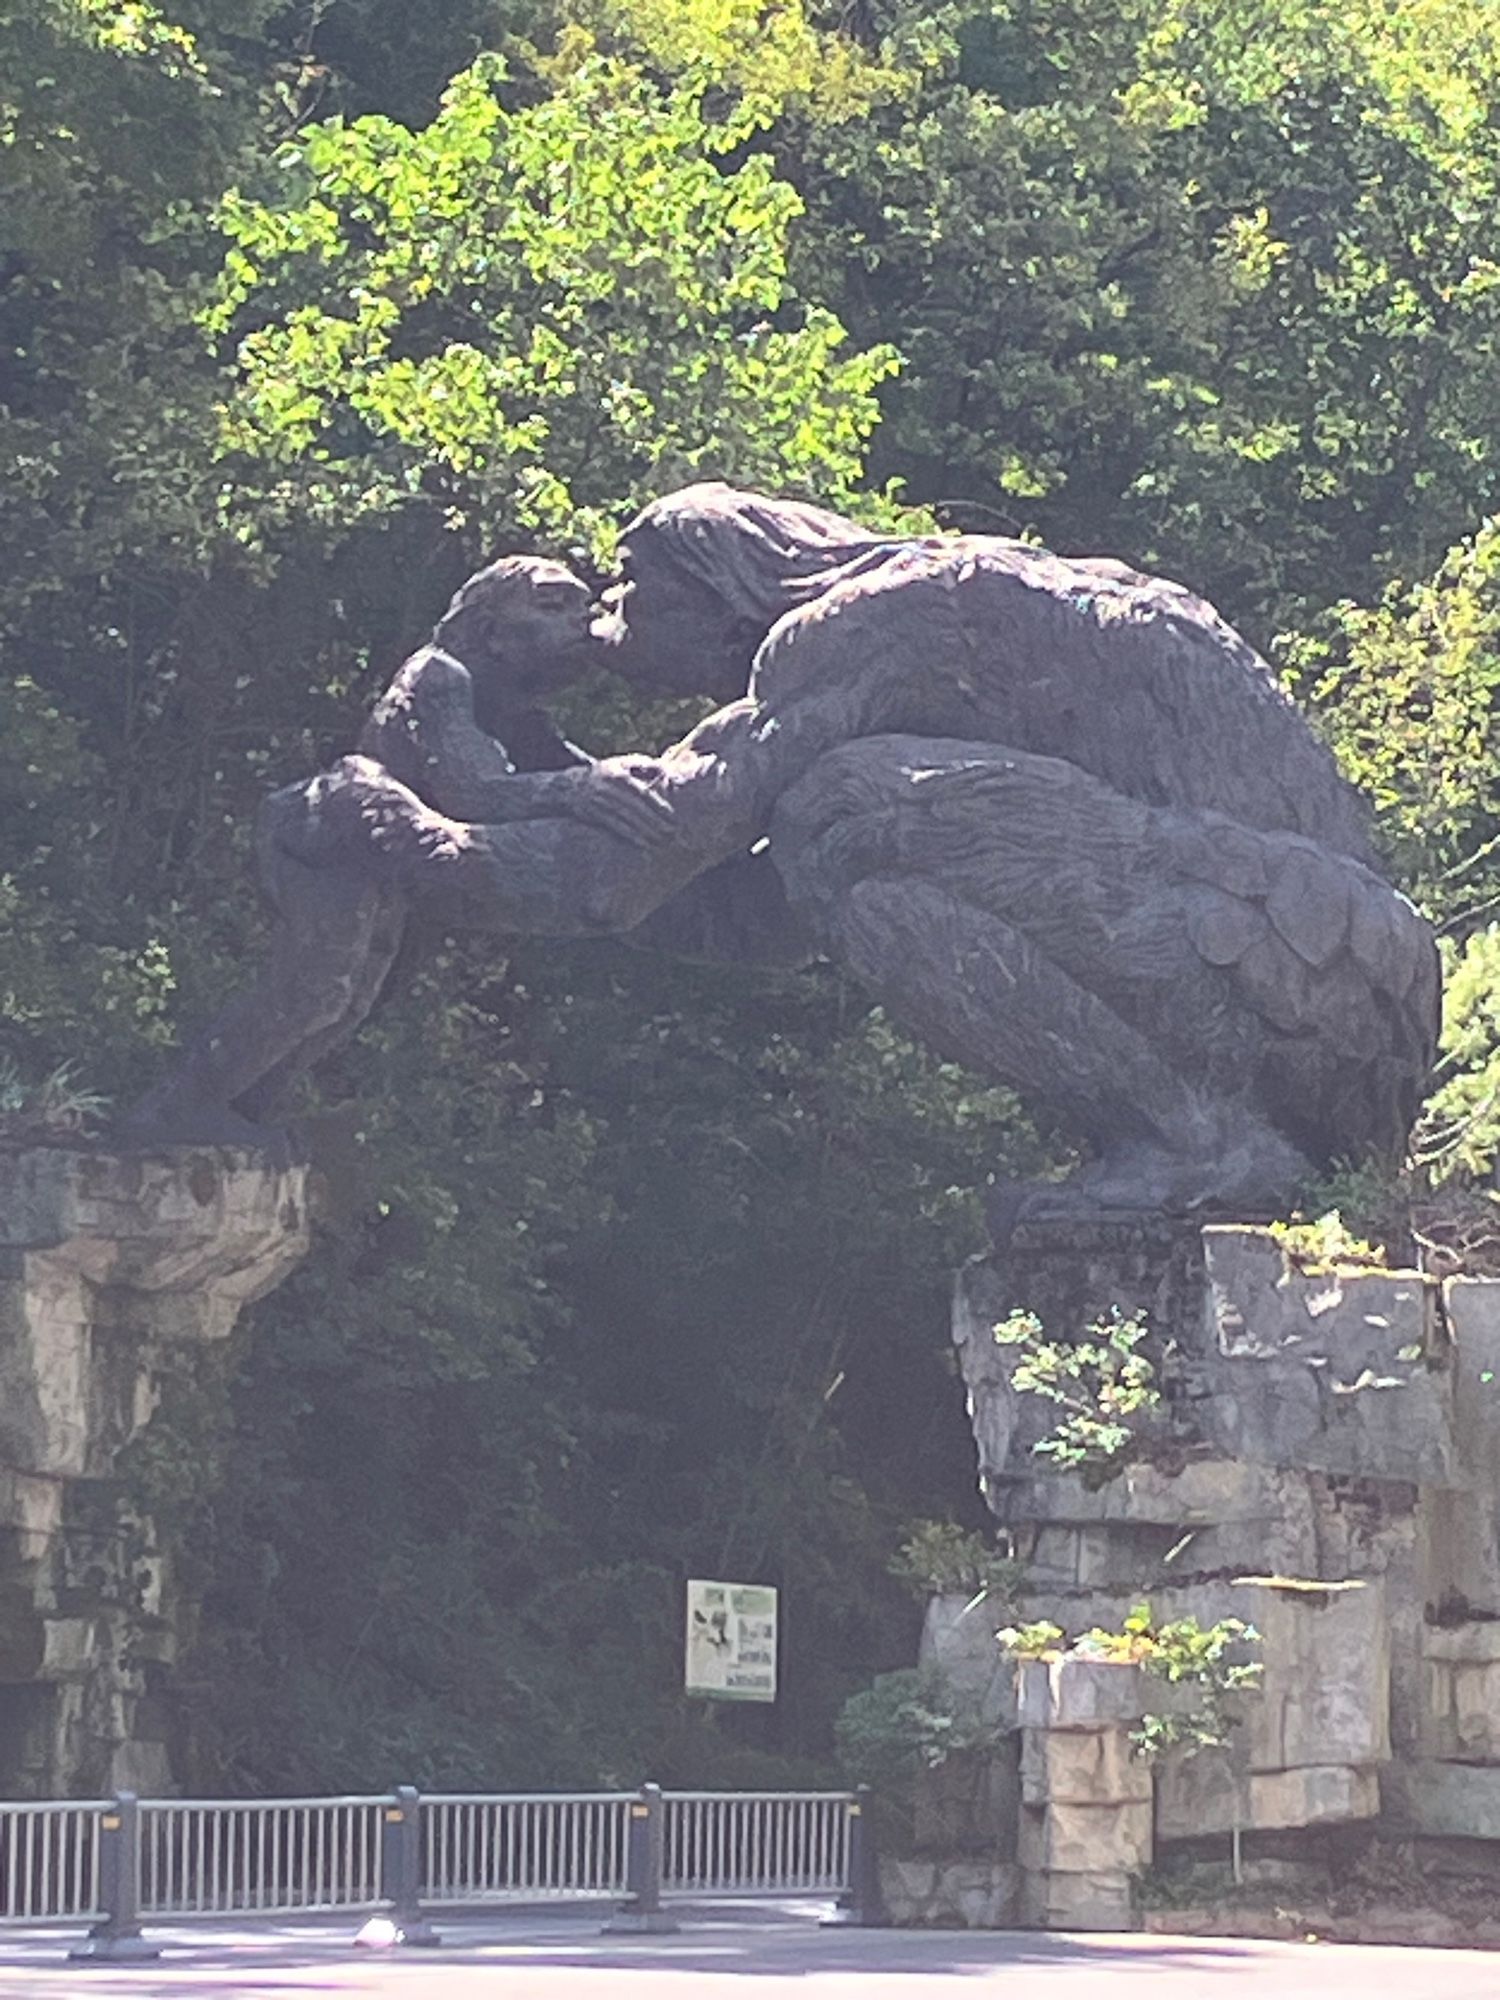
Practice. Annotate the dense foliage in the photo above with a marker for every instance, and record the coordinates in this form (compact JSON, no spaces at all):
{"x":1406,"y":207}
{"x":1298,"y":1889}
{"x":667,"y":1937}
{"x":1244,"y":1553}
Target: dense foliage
{"x":633,"y":1270}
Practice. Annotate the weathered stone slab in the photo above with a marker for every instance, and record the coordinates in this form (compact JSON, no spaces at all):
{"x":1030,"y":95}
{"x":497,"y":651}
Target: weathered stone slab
{"x":1314,"y":1795}
{"x":1454,"y":1801}
{"x":1082,"y":1767}
{"x":1324,"y":1694}
{"x":1476,"y":1640}
{"x":1210,"y":1514}
{"x":1462,"y":1528}
{"x":1073,"y":1693}
{"x":30,"y":1512}
{"x":1082,"y":1840}
{"x":951,"y":1895}
{"x":1211,"y":1792}
{"x":1463,"y":1692}
{"x":1203,"y":1792}
{"x":1099,"y":1901}
{"x":1338,"y":1372}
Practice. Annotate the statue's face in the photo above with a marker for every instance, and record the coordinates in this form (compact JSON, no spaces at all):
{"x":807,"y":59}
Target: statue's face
{"x":523,"y":629}
{"x":669,"y":632}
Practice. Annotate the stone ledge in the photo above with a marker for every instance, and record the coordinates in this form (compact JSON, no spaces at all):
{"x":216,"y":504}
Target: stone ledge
{"x":1073,"y":1693}
{"x":1476,"y":1641}
{"x":1314,"y":1795}
{"x":1457,"y":1801}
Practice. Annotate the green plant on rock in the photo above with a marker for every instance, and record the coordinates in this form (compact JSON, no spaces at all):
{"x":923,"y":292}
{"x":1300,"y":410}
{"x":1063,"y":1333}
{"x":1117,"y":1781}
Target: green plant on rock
{"x":900,"y":1729}
{"x":1211,"y":1659}
{"x":938,"y":1558}
{"x":1039,"y":1640}
{"x":56,"y":1105}
{"x":1213,"y":1662}
{"x":1325,"y":1243}
{"x":1101,"y":1384}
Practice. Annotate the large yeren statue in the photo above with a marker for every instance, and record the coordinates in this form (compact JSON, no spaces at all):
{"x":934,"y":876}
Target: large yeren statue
{"x":1055,"y":815}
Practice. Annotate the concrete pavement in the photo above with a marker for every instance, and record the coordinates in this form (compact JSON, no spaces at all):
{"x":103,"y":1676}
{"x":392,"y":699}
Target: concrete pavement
{"x":732,"y":1956}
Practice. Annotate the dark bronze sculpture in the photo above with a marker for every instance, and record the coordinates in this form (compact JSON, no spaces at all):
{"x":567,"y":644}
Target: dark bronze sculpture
{"x":1056,"y":816}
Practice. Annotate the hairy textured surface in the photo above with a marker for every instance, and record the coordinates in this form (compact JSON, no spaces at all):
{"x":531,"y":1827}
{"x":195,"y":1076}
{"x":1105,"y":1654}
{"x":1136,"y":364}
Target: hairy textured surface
{"x":1056,"y":815}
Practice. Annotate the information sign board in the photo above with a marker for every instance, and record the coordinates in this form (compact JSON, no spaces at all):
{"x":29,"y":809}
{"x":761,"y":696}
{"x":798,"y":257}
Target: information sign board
{"x":731,"y":1640}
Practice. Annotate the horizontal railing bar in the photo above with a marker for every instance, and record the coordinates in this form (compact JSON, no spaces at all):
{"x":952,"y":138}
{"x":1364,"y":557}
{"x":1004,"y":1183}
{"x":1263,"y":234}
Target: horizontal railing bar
{"x":256,"y":1805}
{"x":524,"y":1798}
{"x":55,"y":1805}
{"x":795,"y":1799}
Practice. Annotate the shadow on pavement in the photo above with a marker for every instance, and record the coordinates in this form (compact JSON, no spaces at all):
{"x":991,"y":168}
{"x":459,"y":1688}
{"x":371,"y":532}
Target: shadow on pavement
{"x":565,"y":1953}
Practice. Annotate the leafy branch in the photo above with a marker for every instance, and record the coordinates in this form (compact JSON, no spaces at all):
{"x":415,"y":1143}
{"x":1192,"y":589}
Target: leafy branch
{"x":1100,"y":1384}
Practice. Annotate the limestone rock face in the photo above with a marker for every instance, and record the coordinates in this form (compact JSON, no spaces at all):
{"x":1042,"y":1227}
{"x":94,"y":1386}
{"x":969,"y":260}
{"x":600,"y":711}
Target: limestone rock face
{"x":1332,"y":1372}
{"x":109,"y":1264}
{"x":1324,"y":1464}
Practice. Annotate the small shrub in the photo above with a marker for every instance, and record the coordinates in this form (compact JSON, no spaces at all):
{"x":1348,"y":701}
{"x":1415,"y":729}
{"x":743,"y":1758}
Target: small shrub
{"x":1326,"y":1244}
{"x":898,"y":1730}
{"x":55,"y":1106}
{"x":1100,"y":1383}
{"x":939,"y":1558}
{"x":1040,"y":1640}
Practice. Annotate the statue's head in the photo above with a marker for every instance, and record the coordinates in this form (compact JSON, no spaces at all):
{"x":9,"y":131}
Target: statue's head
{"x":522,"y":626}
{"x":705,"y":574}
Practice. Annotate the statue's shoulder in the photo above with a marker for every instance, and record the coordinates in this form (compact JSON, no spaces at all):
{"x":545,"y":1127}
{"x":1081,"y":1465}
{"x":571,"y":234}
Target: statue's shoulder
{"x":429,"y":695}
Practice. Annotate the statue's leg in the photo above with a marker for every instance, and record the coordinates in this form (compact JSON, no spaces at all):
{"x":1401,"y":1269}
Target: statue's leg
{"x":342,"y":859}
{"x":981,"y":993}
{"x":336,"y":934}
{"x":1118,"y":964}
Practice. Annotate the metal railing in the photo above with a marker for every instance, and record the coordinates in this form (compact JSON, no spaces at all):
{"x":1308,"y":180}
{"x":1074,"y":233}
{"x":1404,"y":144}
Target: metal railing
{"x":204,"y":1857}
{"x":756,"y":1843}
{"x":49,"y":1861}
{"x":117,"y":1863}
{"x":480,"y":1849}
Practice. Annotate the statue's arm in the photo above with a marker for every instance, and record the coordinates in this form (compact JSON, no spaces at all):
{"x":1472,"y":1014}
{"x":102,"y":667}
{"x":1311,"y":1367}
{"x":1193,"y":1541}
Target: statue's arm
{"x":638,"y":830}
{"x":424,"y":731}
{"x":607,"y":846}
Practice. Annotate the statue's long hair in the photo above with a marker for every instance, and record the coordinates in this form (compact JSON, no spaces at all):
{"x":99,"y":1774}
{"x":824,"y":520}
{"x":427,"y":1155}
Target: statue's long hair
{"x":761,"y":557}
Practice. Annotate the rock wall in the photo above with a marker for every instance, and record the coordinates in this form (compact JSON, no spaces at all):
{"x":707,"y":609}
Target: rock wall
{"x":1325,"y":1466}
{"x":109,"y":1263}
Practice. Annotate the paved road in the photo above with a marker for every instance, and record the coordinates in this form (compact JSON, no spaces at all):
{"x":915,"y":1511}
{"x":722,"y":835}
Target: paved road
{"x":564,"y":1957}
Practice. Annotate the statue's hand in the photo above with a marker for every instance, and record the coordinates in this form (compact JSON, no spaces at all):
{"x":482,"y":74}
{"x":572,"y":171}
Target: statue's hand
{"x":622,"y":797}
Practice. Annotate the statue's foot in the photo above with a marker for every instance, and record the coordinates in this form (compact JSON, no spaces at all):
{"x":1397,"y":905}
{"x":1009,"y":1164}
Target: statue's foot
{"x":1251,"y":1178}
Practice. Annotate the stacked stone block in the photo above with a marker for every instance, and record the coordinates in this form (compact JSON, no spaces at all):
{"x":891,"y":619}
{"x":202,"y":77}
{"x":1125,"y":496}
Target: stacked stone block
{"x":1085,"y":1795}
{"x":110,"y":1265}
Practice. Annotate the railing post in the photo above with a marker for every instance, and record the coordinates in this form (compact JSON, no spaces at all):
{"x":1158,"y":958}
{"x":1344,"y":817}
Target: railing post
{"x":402,"y":1921}
{"x":117,"y":1935}
{"x":644,"y":1855}
{"x":861,"y":1903}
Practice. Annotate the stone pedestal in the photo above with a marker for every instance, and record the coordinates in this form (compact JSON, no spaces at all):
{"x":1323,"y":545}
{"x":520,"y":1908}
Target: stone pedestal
{"x":1324,"y":1465}
{"x":109,"y":1263}
{"x":1085,"y":1796}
